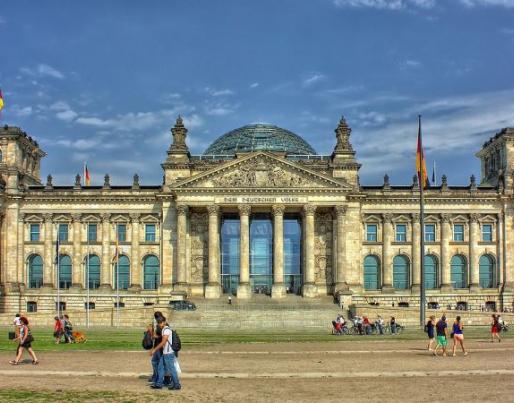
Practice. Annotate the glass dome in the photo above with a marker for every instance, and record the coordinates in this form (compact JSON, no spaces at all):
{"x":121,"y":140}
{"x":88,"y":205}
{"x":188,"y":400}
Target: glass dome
{"x":259,"y":137}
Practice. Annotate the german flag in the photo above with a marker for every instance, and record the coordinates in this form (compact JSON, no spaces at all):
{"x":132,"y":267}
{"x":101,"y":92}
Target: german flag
{"x":421,"y":167}
{"x":87,"y":177}
{"x":1,"y":101}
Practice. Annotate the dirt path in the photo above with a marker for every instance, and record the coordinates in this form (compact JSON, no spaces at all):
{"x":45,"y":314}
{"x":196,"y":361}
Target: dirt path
{"x":364,"y":371}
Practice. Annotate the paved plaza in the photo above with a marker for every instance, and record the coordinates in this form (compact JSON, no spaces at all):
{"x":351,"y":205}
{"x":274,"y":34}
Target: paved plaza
{"x":368,"y":370}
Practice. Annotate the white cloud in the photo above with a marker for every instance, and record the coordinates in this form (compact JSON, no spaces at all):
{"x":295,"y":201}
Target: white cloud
{"x":193,"y":121}
{"x":483,"y":3}
{"x":218,"y":111}
{"x":79,"y":144}
{"x":410,"y":64}
{"x":449,"y":124}
{"x":64,"y":111}
{"x":385,"y":4}
{"x":254,"y":85}
{"x":46,"y":70}
{"x":372,"y":118}
{"x":313,"y":79}
{"x":133,"y":120}
{"x":42,"y":70}
{"x":218,"y":93}
{"x":21,"y":111}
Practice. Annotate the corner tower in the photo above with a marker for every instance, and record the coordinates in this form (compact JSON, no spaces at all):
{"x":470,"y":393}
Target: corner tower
{"x":344,"y":164}
{"x":20,"y":159}
{"x":497,"y":160}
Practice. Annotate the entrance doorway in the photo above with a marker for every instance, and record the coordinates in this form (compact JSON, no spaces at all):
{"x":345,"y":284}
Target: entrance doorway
{"x":261,"y":253}
{"x":230,"y":253}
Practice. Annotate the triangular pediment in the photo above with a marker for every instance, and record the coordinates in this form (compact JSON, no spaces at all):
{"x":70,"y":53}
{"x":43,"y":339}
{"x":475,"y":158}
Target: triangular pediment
{"x":262,"y":170}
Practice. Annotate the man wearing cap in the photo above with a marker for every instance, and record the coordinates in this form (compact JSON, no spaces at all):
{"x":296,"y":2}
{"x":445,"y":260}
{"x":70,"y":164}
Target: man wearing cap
{"x":442,"y":335}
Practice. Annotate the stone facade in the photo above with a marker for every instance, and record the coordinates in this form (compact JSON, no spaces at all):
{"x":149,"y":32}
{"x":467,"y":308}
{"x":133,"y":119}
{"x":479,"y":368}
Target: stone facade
{"x":177,"y":224}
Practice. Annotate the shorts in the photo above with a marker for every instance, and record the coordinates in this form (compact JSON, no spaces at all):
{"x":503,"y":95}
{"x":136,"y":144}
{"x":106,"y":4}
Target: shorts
{"x":442,"y":341}
{"x":494,"y":329}
{"x":459,"y":336}
{"x":27,"y":344}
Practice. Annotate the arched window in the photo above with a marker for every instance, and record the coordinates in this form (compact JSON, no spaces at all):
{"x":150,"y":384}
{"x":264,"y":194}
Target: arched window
{"x":122,"y":267}
{"x":94,"y":271}
{"x":64,"y":271}
{"x":459,"y":275}
{"x":430,"y":272}
{"x":35,"y":271}
{"x":486,"y":271}
{"x":371,"y":273}
{"x":151,"y":272}
{"x":401,"y":269}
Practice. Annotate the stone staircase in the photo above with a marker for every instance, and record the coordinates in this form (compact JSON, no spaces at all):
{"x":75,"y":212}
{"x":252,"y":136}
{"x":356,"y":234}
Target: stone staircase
{"x":259,"y":313}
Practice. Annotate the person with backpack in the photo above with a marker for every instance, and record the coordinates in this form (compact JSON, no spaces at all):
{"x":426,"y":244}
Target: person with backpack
{"x":167,"y":363}
{"x":25,"y":340}
{"x":458,"y":336}
{"x":156,"y":338}
{"x":441,"y":328}
{"x":429,"y":329}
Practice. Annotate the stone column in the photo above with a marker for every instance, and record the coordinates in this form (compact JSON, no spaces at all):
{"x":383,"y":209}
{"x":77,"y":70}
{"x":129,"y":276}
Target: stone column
{"x":213,"y":289}
{"x":341,"y":280}
{"x":387,"y":261}
{"x":309,"y":285}
{"x":49,"y":264}
{"x":278,"y":290}
{"x":416,"y":252}
{"x":137,"y":276}
{"x":106,"y":269}
{"x":243,"y":289}
{"x":446,"y":230}
{"x":182,"y":212}
{"x":474,"y":273}
{"x":21,"y":266}
{"x":167,"y":245}
{"x":77,"y":277}
{"x":500,"y":262}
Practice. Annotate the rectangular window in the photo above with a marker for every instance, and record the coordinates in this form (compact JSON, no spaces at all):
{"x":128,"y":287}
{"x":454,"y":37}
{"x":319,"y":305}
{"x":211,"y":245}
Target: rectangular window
{"x":122,"y":232}
{"x":401,"y":233}
{"x":430,"y":232}
{"x":487,"y":233}
{"x":122,"y":305}
{"x":91,"y":232}
{"x":31,"y":306}
{"x":150,"y":233}
{"x":63,"y":232}
{"x":89,"y":305}
{"x":458,"y":232}
{"x":371,"y":232}
{"x":34,"y":232}
{"x":62,"y":306}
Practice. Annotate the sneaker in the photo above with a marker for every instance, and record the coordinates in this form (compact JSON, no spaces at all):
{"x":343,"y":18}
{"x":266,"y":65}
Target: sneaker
{"x":155,"y":387}
{"x":466,"y":353}
{"x":175,"y":387}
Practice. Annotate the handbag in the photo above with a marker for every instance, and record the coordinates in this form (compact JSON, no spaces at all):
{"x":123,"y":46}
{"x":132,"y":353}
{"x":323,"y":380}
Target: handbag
{"x":11,"y":335}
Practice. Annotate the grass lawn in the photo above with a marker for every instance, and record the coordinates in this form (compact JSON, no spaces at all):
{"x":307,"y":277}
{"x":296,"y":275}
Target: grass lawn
{"x":12,"y":395}
{"x":107,"y":338}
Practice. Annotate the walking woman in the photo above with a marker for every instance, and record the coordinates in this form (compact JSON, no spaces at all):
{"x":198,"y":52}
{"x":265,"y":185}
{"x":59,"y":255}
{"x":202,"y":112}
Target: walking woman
{"x":458,"y":336}
{"x":58,"y":330}
{"x":431,"y":332}
{"x":495,"y":328}
{"x":25,"y":341}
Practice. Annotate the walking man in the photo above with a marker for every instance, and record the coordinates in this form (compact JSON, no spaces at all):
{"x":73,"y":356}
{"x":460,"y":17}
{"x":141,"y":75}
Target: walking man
{"x":442,"y":335}
{"x":167,"y":362}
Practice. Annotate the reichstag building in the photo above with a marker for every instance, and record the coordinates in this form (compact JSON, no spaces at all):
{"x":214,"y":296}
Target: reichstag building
{"x":259,"y":212}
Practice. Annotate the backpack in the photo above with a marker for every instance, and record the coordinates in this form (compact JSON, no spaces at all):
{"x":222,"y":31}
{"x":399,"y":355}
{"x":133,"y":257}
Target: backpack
{"x":147,"y":340}
{"x":176,"y":345}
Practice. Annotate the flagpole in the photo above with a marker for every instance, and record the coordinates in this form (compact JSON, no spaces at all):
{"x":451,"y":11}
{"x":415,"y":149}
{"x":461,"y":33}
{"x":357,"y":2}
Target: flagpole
{"x":422,"y":298}
{"x":88,"y":276}
{"x":58,"y":263}
{"x":117,"y":282}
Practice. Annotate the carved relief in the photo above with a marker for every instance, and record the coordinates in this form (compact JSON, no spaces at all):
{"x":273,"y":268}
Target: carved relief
{"x":323,"y":248}
{"x":262,"y":174}
{"x":199,"y":248}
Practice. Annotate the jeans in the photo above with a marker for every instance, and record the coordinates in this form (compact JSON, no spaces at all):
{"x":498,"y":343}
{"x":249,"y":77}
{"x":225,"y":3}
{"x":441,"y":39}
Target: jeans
{"x":167,"y":365}
{"x":156,"y":358}
{"x":393,"y":328}
{"x":380,"y":328}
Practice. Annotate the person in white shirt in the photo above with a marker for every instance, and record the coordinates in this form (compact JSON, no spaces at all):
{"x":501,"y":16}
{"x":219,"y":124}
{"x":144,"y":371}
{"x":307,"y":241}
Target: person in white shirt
{"x":17,"y":325}
{"x":167,"y":363}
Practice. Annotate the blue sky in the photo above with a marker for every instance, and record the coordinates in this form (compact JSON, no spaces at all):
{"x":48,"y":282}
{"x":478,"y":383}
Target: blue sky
{"x":103,"y":81}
